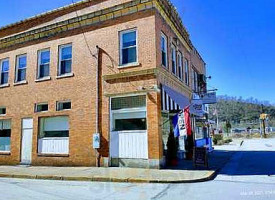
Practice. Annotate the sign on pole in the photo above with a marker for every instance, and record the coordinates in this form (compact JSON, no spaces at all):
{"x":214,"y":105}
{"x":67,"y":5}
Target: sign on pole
{"x":209,"y":98}
{"x":196,"y":107}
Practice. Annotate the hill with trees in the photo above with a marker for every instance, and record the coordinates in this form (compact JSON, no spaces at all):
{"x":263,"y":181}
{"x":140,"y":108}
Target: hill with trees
{"x":241,"y":111}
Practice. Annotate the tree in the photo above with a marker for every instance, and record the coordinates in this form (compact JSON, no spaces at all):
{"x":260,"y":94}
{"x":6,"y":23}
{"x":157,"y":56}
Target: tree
{"x":227,"y":126}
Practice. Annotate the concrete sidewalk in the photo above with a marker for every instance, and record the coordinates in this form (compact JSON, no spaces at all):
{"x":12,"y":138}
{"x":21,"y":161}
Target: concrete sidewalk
{"x":184,"y":172}
{"x":107,"y":174}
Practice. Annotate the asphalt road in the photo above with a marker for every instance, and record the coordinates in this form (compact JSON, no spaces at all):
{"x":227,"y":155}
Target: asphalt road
{"x":250,"y":174}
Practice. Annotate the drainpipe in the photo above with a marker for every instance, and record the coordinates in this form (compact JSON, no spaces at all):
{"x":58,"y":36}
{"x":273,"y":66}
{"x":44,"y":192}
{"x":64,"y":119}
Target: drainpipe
{"x":98,"y":79}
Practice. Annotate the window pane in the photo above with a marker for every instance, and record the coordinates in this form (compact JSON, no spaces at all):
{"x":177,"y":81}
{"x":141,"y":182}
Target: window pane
{"x":21,"y":76}
{"x":5,"y":134}
{"x":22,"y":62}
{"x":2,"y":112}
{"x":44,"y":71}
{"x":163,"y":45}
{"x":129,"y":39}
{"x":53,"y":125}
{"x":44,"y":57}
{"x":64,"y":105}
{"x":128,"y":102}
{"x":164,"y":61}
{"x":174,"y":67}
{"x":66,"y":53}
{"x":56,"y":134}
{"x":42,"y":107}
{"x":129,"y":55}
{"x":130,"y":124}
{"x":5,"y":66}
{"x":4,"y":78}
{"x":66,"y":66}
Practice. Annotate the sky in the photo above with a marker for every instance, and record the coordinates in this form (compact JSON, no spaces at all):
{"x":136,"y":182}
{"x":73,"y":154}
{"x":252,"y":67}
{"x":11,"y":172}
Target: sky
{"x":236,"y":38}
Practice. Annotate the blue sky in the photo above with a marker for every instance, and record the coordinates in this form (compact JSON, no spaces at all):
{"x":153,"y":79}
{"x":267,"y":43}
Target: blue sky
{"x":236,"y":38}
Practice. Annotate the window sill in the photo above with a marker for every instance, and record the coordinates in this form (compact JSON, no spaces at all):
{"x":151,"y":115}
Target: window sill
{"x":65,"y":75}
{"x":43,"y":79}
{"x":5,"y":153}
{"x":135,"y":64}
{"x":20,"y":83}
{"x":5,"y":85}
{"x":52,"y":155}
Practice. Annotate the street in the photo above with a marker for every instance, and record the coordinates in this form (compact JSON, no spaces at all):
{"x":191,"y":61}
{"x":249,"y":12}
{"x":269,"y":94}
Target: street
{"x":250,"y":174}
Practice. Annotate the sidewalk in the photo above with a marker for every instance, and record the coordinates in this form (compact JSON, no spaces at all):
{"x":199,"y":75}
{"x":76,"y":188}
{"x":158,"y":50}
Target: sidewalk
{"x":184,"y":173}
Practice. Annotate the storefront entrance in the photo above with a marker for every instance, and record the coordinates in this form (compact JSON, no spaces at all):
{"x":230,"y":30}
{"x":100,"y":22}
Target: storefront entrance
{"x":128,"y":134}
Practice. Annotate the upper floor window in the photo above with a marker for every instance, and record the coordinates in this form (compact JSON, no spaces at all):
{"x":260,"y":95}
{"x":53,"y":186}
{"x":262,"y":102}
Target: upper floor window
{"x":41,"y":107}
{"x":4,"y":67}
{"x":186,"y":72}
{"x":180,"y":69}
{"x":195,"y":80}
{"x":174,"y":60}
{"x":43,"y":63}
{"x":63,"y":105}
{"x":3,"y":110}
{"x":21,"y":67}
{"x":128,"y":47}
{"x":164,"y":50}
{"x":65,"y":59}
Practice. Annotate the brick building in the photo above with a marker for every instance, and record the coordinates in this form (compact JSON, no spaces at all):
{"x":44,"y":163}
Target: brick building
{"x":99,"y":66}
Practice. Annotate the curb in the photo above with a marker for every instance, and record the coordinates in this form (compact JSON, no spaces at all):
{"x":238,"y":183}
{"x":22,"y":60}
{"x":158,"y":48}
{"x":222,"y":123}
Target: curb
{"x":209,"y":177}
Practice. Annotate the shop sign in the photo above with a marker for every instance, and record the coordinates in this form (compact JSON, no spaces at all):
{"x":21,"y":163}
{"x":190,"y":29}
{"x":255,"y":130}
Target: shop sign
{"x":200,"y":157}
{"x":209,"y":98}
{"x":196,"y":107}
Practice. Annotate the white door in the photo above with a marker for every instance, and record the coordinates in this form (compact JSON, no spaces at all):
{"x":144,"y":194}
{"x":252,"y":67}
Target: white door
{"x":26,"y":147}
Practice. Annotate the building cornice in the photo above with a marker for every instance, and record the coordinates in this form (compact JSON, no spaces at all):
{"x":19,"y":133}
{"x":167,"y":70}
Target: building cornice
{"x":97,"y":18}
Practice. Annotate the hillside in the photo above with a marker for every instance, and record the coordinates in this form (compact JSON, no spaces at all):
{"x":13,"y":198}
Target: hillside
{"x":237,"y":110}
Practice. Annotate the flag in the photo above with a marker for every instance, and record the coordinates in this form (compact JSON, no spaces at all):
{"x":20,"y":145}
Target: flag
{"x":187,"y":121}
{"x":176,"y":126}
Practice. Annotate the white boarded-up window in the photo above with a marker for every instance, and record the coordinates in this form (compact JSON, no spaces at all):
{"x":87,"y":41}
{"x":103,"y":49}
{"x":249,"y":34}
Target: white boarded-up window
{"x":54,"y":135}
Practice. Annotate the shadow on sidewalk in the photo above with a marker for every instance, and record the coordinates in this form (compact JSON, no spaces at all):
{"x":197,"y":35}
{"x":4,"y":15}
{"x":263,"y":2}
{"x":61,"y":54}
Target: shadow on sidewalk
{"x":235,"y":163}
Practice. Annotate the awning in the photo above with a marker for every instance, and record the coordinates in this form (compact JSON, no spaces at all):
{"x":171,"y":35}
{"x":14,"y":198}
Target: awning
{"x":179,"y":98}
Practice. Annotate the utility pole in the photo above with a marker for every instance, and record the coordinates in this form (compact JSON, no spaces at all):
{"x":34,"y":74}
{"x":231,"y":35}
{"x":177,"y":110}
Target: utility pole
{"x":263,"y":118}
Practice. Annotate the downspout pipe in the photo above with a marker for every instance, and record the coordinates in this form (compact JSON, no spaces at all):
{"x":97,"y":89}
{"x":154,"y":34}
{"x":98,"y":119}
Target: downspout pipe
{"x":98,"y":65}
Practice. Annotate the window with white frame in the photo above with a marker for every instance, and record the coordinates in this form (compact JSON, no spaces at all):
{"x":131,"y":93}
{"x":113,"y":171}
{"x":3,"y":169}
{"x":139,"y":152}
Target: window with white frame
{"x":180,"y":68}
{"x":129,"y":113}
{"x":174,"y":60}
{"x":186,"y":72}
{"x":41,"y":107}
{"x":4,"y":67}
{"x":128,"y":47}
{"x":21,"y":67}
{"x":3,"y":110}
{"x":5,"y":135}
{"x":65,"y":59}
{"x":164,"y":50}
{"x":63,"y":105}
{"x":54,"y":135}
{"x":43,"y":63}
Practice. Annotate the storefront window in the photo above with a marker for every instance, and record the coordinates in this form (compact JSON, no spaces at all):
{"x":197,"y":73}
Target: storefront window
{"x":54,"y":135}
{"x":129,"y":113}
{"x":5,"y":135}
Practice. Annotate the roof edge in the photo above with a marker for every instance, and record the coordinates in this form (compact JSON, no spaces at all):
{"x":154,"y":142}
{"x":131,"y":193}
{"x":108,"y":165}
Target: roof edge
{"x":48,"y":16}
